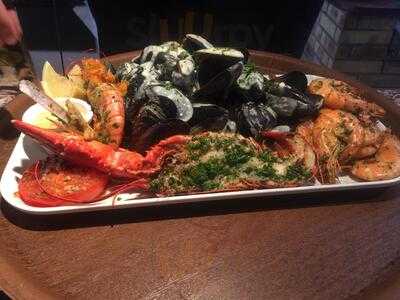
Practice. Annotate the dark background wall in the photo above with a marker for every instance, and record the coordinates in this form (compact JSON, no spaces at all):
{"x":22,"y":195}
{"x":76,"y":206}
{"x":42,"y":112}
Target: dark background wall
{"x":280,"y":26}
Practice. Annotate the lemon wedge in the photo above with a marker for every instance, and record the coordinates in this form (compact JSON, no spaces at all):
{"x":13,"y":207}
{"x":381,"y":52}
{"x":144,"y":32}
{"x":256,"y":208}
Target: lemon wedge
{"x":56,"y":85}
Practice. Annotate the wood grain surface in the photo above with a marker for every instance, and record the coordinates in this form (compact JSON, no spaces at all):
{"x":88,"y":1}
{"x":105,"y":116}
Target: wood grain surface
{"x":317,"y":246}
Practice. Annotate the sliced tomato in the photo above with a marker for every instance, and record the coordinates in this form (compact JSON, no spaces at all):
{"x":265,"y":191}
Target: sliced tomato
{"x":31,"y":192}
{"x":61,"y":183}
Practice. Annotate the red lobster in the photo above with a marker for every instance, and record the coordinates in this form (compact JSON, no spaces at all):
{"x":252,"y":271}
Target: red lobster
{"x":119,"y":163}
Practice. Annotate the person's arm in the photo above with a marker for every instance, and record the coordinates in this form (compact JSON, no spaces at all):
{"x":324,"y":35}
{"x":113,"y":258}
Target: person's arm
{"x":10,"y":28}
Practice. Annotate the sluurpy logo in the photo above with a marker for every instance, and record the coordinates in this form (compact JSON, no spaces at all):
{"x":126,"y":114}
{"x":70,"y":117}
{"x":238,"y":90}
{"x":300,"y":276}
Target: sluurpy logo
{"x":153,"y":29}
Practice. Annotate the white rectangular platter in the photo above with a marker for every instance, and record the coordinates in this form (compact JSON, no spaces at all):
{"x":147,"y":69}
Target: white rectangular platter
{"x":27,"y":151}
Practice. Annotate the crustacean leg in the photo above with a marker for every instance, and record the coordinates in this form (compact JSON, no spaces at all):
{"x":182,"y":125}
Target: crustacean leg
{"x":117,"y":163}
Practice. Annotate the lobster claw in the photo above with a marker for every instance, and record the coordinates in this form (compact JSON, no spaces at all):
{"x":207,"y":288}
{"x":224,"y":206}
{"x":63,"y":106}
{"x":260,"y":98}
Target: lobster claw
{"x":93,"y":154}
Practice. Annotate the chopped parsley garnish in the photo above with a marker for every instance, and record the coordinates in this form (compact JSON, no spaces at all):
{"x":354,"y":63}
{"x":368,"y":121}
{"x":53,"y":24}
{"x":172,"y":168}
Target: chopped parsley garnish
{"x":267,"y":171}
{"x":237,"y":155}
{"x":298,"y":172}
{"x":213,"y":162}
{"x":267,"y":157}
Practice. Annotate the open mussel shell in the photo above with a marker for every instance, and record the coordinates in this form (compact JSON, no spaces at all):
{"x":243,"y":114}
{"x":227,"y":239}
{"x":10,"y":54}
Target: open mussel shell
{"x":294,"y":79}
{"x":212,"y":61}
{"x":217,"y":88}
{"x":283,"y":99}
{"x":162,"y":93}
{"x":193,"y":42}
{"x":307,"y":104}
{"x":208,"y":117}
{"x":218,"y":53}
{"x":159,"y":131}
{"x":251,"y":118}
{"x":152,"y":111}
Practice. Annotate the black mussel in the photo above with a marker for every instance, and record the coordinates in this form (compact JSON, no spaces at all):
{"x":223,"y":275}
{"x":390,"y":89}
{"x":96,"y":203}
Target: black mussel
{"x":294,"y":79}
{"x":128,"y":71}
{"x":217,"y":88}
{"x":208,"y":117}
{"x":186,"y":66}
{"x":159,"y":131}
{"x":152,"y":52}
{"x":164,"y":59}
{"x":285,"y":107}
{"x":165,"y":93}
{"x":138,"y":77}
{"x":212,"y":61}
{"x":251,"y":84}
{"x":183,"y":76}
{"x":251,"y":118}
{"x":306,"y":105}
{"x":193,"y":42}
{"x":227,"y":55}
{"x":152,"y":111}
{"x":131,"y":73}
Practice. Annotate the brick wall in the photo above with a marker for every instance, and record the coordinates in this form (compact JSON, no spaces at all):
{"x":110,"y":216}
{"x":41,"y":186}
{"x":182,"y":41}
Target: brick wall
{"x":362,"y":44}
{"x":323,"y":41}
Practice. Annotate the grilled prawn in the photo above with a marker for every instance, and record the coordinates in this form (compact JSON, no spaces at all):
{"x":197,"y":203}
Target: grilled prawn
{"x":385,"y":164}
{"x":339,"y":95}
{"x":105,"y":95}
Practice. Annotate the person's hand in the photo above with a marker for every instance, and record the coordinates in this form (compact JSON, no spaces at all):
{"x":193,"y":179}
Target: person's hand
{"x":10,"y":28}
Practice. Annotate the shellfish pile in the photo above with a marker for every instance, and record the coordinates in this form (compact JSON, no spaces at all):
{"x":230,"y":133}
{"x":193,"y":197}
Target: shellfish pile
{"x":192,"y":87}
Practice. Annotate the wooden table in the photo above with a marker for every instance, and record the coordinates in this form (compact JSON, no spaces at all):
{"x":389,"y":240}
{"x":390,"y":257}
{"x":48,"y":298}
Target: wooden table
{"x":319,"y":246}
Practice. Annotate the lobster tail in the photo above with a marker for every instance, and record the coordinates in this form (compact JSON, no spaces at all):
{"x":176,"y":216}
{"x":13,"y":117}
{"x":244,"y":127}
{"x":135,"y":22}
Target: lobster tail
{"x":93,"y":154}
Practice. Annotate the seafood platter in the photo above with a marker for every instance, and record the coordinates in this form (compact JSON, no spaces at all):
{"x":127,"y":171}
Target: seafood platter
{"x":185,"y":122}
